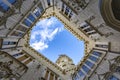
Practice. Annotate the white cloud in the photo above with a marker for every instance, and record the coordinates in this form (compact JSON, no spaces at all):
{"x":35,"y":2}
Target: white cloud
{"x":47,"y":32}
{"x":34,"y":34}
{"x":39,"y":45}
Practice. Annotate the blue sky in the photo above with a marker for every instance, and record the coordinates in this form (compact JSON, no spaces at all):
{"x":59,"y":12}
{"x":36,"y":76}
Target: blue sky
{"x":50,"y":38}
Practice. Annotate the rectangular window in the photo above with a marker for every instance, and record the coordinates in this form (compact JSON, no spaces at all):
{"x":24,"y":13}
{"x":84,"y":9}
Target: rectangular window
{"x":85,"y":68}
{"x":113,"y":78}
{"x":31,"y":17}
{"x":93,"y":58}
{"x":37,"y":12}
{"x":11,"y":1}
{"x":17,"y":34}
{"x":67,"y":10}
{"x":71,"y":14}
{"x":96,"y":53}
{"x":92,"y":33}
{"x":27,"y":23}
{"x":76,"y":78}
{"x":4,"y":6}
{"x":22,"y":28}
{"x":85,"y":25}
{"x":48,"y":1}
{"x":89,"y":64}
{"x":15,"y":55}
{"x":88,"y":29}
{"x":63,"y":6}
{"x":9,"y":43}
{"x":102,"y":46}
{"x":81,"y":74}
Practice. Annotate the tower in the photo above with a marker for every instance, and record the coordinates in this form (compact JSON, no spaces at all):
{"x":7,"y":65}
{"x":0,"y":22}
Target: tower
{"x":66,"y":63}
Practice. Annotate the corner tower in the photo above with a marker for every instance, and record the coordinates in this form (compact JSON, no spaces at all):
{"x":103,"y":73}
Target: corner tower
{"x":66,"y":63}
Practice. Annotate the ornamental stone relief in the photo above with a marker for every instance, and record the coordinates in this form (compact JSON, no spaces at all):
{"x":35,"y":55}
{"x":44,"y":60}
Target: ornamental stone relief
{"x":10,"y":12}
{"x":114,"y":67}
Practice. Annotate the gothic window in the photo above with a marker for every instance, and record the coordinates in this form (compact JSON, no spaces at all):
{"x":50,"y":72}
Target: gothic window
{"x":89,"y":64}
{"x":31,"y":17}
{"x":4,"y":6}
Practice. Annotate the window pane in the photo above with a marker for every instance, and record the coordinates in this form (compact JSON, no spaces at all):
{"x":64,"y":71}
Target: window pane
{"x":113,"y":78}
{"x":96,"y":53}
{"x":17,"y":34}
{"x":4,"y":6}
{"x":89,"y":63}
{"x":48,"y":1}
{"x":5,"y":42}
{"x":15,"y":55}
{"x":12,"y":1}
{"x":93,"y":58}
{"x":12,"y":43}
{"x":63,"y":7}
{"x":81,"y":73}
{"x":27,"y":23}
{"x":88,"y":29}
{"x":67,"y":10}
{"x":37,"y":12}
{"x":31,"y":17}
{"x":76,"y":78}
{"x":85,"y":68}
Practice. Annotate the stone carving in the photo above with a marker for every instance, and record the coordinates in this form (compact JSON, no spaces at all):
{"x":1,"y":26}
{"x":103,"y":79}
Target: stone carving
{"x":108,"y":34}
{"x":5,"y":71}
{"x":90,"y":18}
{"x":10,"y":12}
{"x":113,"y":68}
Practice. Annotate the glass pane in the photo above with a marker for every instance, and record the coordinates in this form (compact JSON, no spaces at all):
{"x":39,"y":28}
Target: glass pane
{"x":27,"y":23}
{"x":81,"y":73}
{"x":96,"y":53}
{"x":89,"y":63}
{"x":37,"y":12}
{"x":12,"y":43}
{"x":113,"y":78}
{"x":93,"y":58}
{"x":48,"y":1}
{"x":31,"y":17}
{"x":4,"y":6}
{"x":15,"y":55}
{"x":12,"y":1}
{"x":76,"y":78}
{"x":85,"y":68}
{"x":5,"y":42}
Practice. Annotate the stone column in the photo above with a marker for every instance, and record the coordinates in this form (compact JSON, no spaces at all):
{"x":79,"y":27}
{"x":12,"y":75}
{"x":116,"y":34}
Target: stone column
{"x":48,"y":78}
